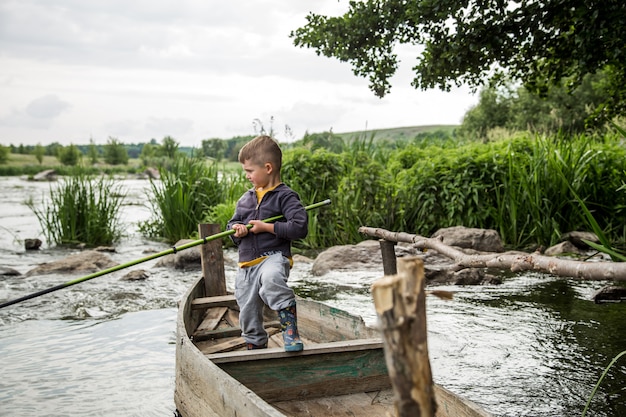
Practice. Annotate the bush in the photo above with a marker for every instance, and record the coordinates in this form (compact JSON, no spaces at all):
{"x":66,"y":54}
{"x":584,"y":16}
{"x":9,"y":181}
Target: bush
{"x":315,"y":176}
{"x":70,"y":155}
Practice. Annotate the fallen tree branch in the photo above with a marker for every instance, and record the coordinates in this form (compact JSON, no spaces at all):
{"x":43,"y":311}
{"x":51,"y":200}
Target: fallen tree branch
{"x":514,"y":261}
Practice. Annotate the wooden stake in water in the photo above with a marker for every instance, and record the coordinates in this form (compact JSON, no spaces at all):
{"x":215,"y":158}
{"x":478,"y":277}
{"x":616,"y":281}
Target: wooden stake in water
{"x":401,"y":308}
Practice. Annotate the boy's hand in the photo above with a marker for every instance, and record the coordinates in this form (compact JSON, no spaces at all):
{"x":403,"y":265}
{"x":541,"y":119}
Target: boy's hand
{"x":240,"y":230}
{"x":259,"y":226}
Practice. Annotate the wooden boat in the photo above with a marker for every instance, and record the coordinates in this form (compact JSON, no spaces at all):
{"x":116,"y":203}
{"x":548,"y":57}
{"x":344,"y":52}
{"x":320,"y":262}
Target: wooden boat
{"x":340,"y":372}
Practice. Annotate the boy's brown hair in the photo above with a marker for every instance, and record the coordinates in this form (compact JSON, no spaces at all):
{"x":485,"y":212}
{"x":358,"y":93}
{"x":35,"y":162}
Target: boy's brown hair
{"x":261,"y":150}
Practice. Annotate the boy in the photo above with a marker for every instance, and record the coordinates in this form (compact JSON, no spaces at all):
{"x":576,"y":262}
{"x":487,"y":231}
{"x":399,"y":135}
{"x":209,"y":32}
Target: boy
{"x":265,"y":249}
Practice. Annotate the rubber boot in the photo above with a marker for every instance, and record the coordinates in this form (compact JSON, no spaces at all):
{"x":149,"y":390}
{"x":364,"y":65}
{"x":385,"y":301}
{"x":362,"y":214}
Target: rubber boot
{"x":289,"y":324}
{"x":252,"y":346}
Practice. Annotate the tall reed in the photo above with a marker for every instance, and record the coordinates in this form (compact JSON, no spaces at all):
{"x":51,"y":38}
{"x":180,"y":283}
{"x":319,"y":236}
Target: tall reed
{"x":534,"y":198}
{"x":82,"y":209}
{"x":187,"y":189}
{"x":595,"y":389}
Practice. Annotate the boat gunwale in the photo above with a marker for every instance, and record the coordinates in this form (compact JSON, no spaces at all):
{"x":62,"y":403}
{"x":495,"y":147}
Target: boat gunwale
{"x":226,"y":396}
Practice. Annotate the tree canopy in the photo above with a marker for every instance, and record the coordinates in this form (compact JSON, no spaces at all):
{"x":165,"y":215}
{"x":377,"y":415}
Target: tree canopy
{"x":467,"y":42}
{"x":569,"y":111}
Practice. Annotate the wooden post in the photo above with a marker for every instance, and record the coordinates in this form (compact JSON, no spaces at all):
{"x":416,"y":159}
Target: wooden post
{"x":389,"y":257}
{"x":212,"y":261}
{"x":400,"y":303}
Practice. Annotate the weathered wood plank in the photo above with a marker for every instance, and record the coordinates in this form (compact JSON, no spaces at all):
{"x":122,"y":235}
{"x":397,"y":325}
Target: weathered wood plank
{"x":314,"y":349}
{"x":224,"y":332}
{"x":212,"y":259}
{"x":401,"y":308}
{"x":323,"y":370}
{"x":451,"y":405}
{"x":216,"y":301}
{"x":212,"y":318}
{"x":377,"y":403}
{"x":232,"y":318}
{"x":202,"y":388}
{"x":231,"y":344}
{"x":276,"y":341}
{"x":324,"y":323}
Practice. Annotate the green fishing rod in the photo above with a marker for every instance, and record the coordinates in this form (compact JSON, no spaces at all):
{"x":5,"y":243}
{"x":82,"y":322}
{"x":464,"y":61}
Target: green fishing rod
{"x":173,"y":249}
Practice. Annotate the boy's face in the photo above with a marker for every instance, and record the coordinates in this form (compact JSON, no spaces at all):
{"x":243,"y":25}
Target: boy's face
{"x":258,"y":175}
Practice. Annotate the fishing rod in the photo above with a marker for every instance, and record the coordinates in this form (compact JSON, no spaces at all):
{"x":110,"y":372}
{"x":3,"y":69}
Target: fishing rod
{"x":173,"y":249}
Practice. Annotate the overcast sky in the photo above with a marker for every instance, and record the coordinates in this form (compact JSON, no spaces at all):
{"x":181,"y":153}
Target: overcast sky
{"x":75,"y":70}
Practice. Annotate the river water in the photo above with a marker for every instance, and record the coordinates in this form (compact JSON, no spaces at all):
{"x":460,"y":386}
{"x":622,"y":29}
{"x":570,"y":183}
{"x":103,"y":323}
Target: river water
{"x":532,"y":346}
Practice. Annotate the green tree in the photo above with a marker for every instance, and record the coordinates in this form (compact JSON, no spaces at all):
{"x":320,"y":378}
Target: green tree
{"x":560,"y":110}
{"x":148,"y":153}
{"x":69,"y":155}
{"x":39,"y":152}
{"x":115,"y":153}
{"x":4,"y":154}
{"x":467,"y":42}
{"x":492,"y":111}
{"x":53,"y":149}
{"x":214,"y":148}
{"x":169,"y":147}
{"x":92,"y":152}
{"x":327,"y":140}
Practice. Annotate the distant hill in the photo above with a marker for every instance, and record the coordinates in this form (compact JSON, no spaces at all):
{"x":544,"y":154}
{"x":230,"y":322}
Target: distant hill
{"x":396,"y":133}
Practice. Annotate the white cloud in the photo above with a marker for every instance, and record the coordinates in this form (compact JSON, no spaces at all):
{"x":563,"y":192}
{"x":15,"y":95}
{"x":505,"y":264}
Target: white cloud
{"x":46,"y":107}
{"x":193,"y":69}
{"x":38,"y":114}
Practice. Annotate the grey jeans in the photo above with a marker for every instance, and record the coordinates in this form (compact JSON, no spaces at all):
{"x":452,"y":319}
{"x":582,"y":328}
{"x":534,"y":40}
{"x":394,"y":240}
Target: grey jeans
{"x":260,"y":285}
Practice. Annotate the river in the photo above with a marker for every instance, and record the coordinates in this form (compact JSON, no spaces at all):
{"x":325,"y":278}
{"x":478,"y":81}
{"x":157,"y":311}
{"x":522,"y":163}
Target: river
{"x":533,"y":346}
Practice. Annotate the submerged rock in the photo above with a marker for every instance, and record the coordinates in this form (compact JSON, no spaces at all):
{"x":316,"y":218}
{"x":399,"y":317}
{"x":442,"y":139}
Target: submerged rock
{"x":32,"y":244}
{"x":188,"y":259}
{"x":365,"y":255}
{"x":47,"y":175}
{"x":136,"y":275}
{"x":83,"y":262}
{"x":484,"y":240}
{"x":610,"y":294}
{"x":8,"y":272}
{"x":577,"y":238}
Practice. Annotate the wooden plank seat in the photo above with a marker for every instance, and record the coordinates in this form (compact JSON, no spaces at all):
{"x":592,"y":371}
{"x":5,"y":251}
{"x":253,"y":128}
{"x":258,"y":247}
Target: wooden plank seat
{"x":215,"y":301}
{"x":324,"y":369}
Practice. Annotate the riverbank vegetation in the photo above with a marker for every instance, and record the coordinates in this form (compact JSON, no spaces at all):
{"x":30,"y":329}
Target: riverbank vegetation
{"x":529,"y":187}
{"x":519,"y":186}
{"x":524,"y":186}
